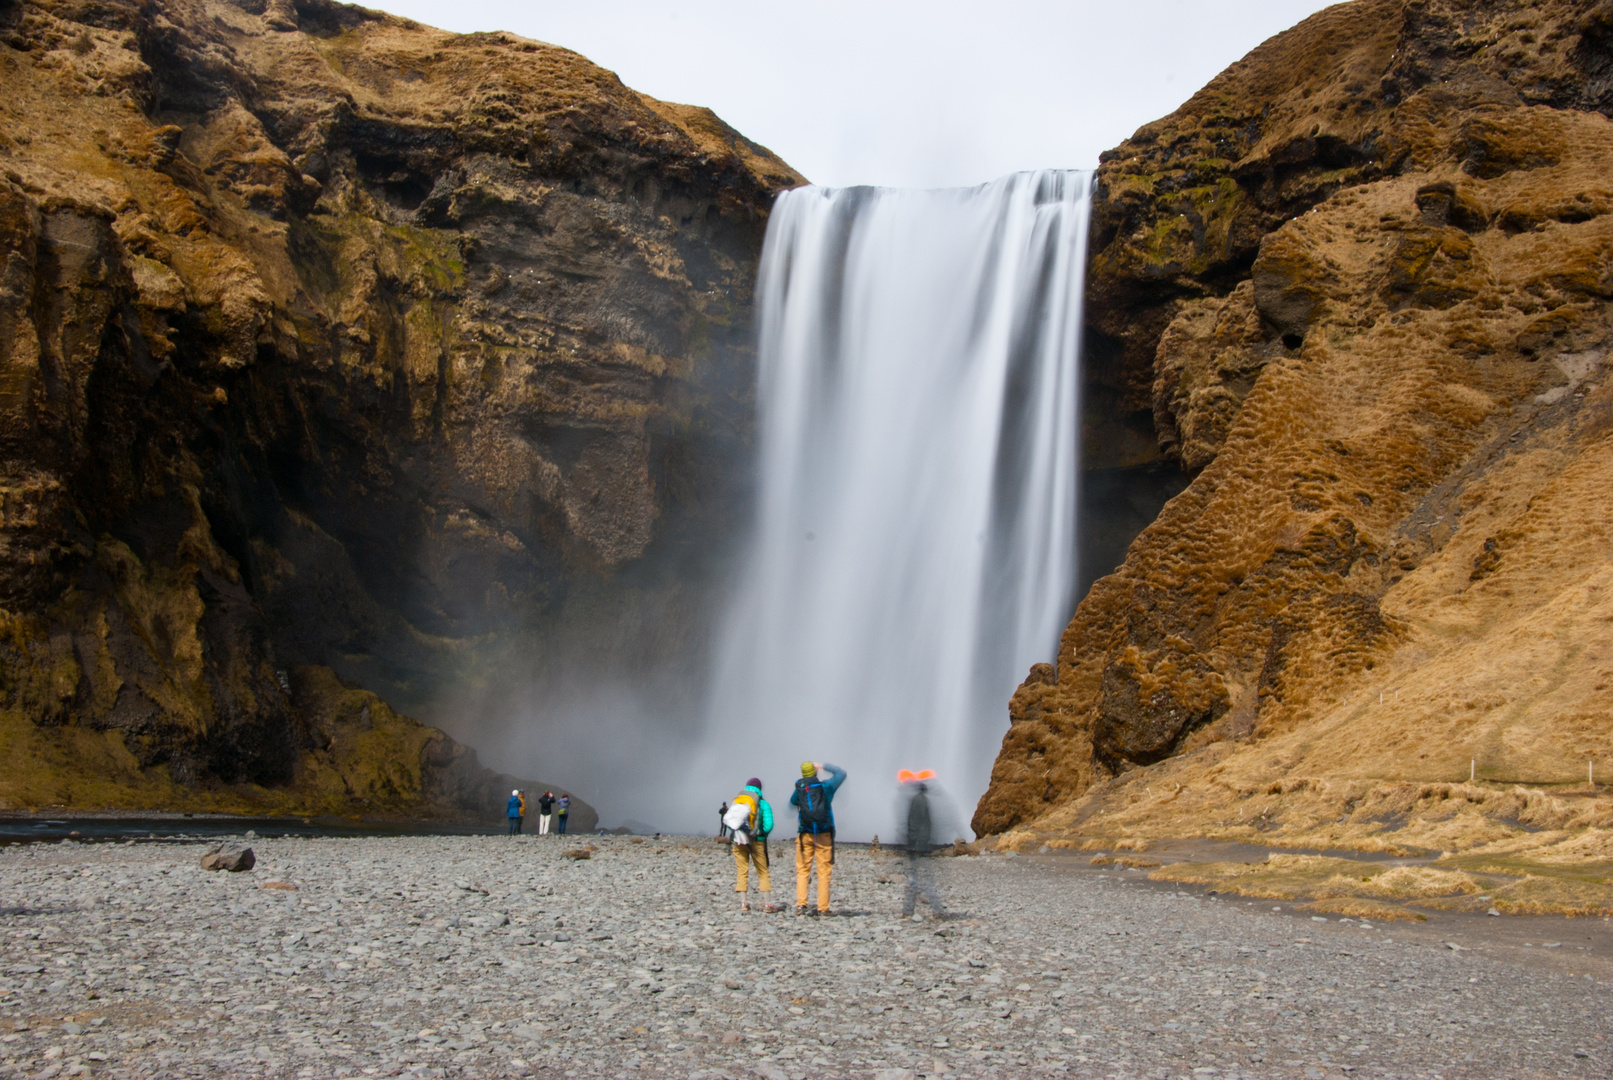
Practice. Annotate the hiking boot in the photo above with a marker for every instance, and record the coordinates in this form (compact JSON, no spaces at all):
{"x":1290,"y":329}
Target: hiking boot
{"x":821,"y":911}
{"x":801,"y":911}
{"x":744,"y":905}
{"x":772,"y":909}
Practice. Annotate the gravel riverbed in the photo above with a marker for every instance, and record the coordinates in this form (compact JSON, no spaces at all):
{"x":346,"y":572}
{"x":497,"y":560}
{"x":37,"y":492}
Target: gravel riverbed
{"x":499,"y":957}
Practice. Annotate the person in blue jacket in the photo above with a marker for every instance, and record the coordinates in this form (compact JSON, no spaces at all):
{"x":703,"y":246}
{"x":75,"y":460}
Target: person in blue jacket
{"x":815,"y":837}
{"x":512,"y":810}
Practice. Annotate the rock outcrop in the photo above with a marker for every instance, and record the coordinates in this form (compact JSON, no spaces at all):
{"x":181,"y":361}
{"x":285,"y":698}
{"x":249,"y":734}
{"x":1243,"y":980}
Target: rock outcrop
{"x":328,"y":339}
{"x":1359,"y":287}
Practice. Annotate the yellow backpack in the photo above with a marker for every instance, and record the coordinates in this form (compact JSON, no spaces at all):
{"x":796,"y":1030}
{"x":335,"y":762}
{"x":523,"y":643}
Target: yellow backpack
{"x":747,"y":799}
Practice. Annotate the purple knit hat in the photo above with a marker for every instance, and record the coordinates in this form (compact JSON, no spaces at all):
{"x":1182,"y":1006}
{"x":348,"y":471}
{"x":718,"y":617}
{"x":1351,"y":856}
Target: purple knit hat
{"x":753,"y":782}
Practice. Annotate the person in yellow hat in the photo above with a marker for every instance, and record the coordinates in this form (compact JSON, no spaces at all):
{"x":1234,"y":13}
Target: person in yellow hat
{"x":815,"y":836}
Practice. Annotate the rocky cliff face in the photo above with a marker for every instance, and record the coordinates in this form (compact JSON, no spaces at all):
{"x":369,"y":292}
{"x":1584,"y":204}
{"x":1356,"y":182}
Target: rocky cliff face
{"x":331,"y":339}
{"x":1358,"y":287}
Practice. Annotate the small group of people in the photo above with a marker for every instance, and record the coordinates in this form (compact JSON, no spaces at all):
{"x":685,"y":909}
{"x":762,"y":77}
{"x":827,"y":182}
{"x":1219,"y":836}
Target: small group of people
{"x":747,"y":820}
{"x":550,"y":809}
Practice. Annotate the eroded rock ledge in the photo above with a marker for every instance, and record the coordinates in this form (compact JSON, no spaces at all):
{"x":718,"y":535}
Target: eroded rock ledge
{"x":331,"y":339}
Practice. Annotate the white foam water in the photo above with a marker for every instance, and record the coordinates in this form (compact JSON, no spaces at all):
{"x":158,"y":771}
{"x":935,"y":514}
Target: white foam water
{"x":915,"y":542}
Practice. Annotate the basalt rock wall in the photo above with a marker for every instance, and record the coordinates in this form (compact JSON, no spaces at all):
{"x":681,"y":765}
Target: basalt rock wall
{"x":1358,"y":288}
{"x":328,"y":340}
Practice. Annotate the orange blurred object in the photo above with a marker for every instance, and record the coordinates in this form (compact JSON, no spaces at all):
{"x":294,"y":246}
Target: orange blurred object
{"x":908,"y":776}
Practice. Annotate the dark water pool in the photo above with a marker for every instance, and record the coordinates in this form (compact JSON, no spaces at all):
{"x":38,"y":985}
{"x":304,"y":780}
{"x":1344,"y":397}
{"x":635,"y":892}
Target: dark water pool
{"x":34,"y":830}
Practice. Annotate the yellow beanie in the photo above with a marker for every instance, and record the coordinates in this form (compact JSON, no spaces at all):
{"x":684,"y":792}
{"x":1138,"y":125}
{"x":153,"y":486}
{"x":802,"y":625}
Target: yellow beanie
{"x":808,"y":769}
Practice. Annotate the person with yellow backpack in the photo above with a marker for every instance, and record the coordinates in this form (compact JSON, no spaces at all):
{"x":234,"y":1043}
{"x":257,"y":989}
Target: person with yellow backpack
{"x":750,"y":817}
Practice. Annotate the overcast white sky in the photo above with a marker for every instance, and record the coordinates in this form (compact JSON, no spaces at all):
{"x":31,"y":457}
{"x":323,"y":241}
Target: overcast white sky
{"x":897,"y":91}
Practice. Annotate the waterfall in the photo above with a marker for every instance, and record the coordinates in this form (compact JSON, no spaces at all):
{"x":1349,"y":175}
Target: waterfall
{"x":915,"y":542}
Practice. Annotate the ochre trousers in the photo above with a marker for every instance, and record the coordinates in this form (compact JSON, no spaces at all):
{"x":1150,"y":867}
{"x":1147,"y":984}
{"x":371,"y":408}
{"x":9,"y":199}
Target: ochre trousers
{"x":810,"y":847}
{"x":745,"y":855}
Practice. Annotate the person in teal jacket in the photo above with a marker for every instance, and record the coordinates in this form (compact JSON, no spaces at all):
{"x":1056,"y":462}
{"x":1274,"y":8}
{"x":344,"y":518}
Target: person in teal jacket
{"x":750,"y":817}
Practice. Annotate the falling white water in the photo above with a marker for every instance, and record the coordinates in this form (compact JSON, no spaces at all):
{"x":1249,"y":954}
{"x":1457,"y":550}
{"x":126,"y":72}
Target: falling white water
{"x":915,"y":547}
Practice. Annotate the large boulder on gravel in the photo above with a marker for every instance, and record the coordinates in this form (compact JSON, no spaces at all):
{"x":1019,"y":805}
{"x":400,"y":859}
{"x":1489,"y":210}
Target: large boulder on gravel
{"x":229,"y":857}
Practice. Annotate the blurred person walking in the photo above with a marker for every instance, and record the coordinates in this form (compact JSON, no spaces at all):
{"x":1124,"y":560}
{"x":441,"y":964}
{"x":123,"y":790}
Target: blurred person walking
{"x":562,"y":808}
{"x":813,"y":799}
{"x":545,"y":808}
{"x":723,"y":831}
{"x":919,"y":837}
{"x":750,"y":819}
{"x":513,"y":811}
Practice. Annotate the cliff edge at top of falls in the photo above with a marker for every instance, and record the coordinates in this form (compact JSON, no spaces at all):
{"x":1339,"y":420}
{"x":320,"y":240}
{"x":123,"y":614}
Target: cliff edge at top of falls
{"x":331,"y":339}
{"x":1359,"y":287}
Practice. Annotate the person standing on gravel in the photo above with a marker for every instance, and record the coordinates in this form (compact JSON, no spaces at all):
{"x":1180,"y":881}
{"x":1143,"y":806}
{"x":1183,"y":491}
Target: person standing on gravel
{"x":920,"y":838}
{"x":512,"y":810}
{"x":562,"y":808}
{"x":750,"y":819}
{"x":545,"y":808}
{"x":815,"y":835}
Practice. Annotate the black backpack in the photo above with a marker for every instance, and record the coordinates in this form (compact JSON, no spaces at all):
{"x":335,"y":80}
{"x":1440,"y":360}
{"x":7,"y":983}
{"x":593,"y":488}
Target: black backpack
{"x":813,"y":804}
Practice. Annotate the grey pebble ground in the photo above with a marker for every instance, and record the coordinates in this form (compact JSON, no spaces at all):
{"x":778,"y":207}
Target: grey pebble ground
{"x":497,"y":957}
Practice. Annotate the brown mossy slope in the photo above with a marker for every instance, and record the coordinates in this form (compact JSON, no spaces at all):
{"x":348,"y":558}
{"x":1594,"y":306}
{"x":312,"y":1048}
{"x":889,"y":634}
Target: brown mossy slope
{"x":1387,"y":364}
{"x":331,"y":339}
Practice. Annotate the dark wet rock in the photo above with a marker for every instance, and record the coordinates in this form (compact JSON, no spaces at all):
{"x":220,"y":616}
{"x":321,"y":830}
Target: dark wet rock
{"x":229,"y":857}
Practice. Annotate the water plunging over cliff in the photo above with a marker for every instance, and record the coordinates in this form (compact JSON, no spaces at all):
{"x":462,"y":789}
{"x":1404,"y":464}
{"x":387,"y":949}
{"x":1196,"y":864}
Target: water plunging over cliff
{"x":915,"y":542}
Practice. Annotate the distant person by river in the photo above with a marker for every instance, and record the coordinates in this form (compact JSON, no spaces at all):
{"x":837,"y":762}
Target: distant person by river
{"x":545,"y":808}
{"x":514,"y":811}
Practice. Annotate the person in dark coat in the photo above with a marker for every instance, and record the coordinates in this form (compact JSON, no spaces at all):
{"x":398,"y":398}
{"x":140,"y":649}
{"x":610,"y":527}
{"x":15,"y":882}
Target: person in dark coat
{"x":513,"y":810}
{"x":920,"y":836}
